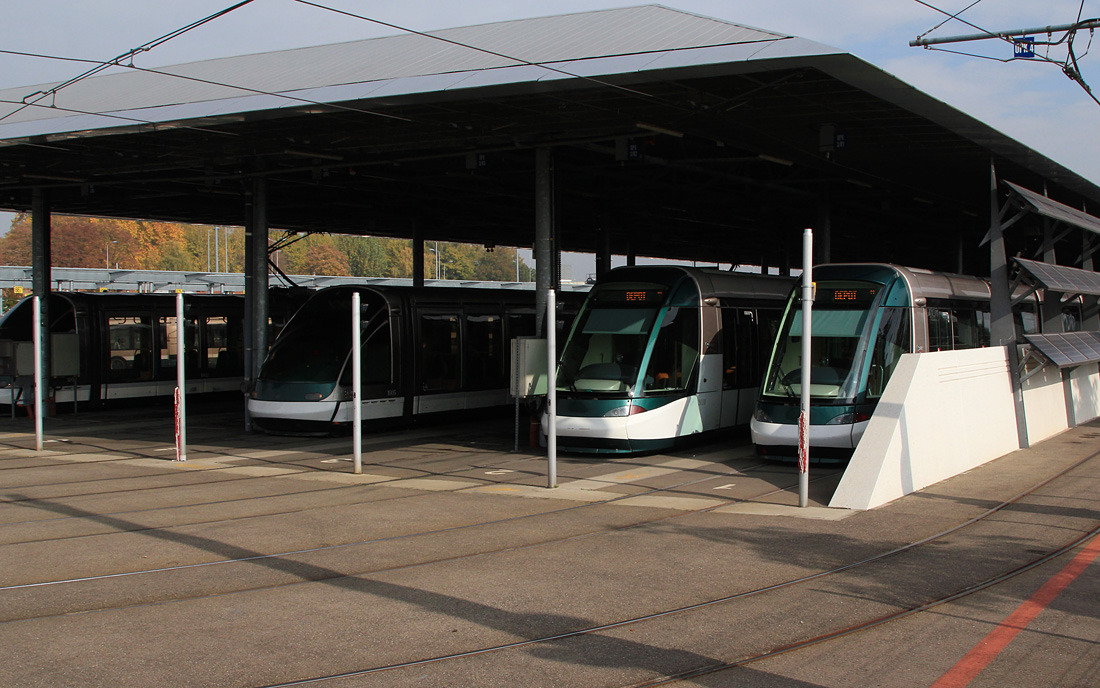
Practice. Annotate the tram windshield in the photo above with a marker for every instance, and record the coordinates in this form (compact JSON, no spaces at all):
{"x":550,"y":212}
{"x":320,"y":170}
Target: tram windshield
{"x":840,"y":316}
{"x":605,"y":351}
{"x":315,"y":346}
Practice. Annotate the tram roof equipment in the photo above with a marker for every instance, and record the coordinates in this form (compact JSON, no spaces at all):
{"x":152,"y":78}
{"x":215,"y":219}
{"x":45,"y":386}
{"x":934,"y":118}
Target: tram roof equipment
{"x":679,"y":135}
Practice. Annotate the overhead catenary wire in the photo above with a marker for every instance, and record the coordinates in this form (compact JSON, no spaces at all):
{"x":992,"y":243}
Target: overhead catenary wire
{"x":119,"y":61}
{"x":162,"y":72}
{"x":38,"y":96}
{"x":1069,"y":65}
{"x":460,"y":44}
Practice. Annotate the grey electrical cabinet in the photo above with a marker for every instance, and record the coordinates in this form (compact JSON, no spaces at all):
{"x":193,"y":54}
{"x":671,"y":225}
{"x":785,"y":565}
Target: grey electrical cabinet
{"x":64,"y":356}
{"x":528,"y":377}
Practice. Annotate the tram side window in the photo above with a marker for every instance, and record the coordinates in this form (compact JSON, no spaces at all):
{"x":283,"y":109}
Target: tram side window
{"x":1026,"y":320}
{"x":958,"y":326}
{"x":485,"y":352}
{"x":1071,"y":317}
{"x":675,"y":352}
{"x":940,"y":326}
{"x":891,"y":340}
{"x":166,"y":347}
{"x":440,"y":360}
{"x":223,"y":339}
{"x":521,"y":325}
{"x":130,"y":339}
{"x":971,"y":328}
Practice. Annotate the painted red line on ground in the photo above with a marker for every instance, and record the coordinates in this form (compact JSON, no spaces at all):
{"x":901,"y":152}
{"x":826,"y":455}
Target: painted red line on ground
{"x":998,"y":639}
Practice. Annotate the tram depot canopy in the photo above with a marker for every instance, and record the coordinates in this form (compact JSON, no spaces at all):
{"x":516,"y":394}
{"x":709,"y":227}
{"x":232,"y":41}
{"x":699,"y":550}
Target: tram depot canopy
{"x":673,"y":135}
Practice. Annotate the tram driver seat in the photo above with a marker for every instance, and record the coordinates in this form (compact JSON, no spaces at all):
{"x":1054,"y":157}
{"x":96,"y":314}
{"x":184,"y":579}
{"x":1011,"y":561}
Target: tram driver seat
{"x":139,"y":367}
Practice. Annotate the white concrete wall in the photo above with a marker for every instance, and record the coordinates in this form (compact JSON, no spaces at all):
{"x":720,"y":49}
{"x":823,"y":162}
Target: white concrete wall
{"x":1045,"y":405}
{"x":941,"y":414}
{"x":1085,"y":382}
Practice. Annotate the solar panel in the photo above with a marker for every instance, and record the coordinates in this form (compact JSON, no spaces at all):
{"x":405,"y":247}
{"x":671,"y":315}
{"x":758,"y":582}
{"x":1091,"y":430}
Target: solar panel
{"x":1068,"y":349}
{"x":1062,"y":278}
{"x":1057,"y":211}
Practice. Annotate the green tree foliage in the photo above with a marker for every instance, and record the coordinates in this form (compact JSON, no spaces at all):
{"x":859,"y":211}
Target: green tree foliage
{"x":88,"y":242}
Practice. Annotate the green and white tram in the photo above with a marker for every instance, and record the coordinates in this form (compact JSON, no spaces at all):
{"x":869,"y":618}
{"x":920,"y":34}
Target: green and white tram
{"x":864,"y":317}
{"x":659,"y":354}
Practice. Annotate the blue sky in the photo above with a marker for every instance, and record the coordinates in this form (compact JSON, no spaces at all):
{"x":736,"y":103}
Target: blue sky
{"x":1031,"y":102}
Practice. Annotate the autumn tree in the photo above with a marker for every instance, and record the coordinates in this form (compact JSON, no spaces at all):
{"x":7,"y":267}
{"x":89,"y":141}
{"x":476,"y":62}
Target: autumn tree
{"x":323,"y":258}
{"x":86,"y":242}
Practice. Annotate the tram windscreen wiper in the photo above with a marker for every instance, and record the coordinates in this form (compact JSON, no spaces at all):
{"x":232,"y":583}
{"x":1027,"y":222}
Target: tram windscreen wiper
{"x":781,"y":378}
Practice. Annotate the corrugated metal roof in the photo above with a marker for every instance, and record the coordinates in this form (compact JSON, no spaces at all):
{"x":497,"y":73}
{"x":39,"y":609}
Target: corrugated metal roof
{"x":559,"y":41}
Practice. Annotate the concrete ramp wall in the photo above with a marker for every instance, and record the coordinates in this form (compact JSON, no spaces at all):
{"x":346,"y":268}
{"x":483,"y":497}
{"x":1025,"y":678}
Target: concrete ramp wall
{"x":1045,"y":405}
{"x":944,"y":413}
{"x":1084,"y":383}
{"x":941,"y":414}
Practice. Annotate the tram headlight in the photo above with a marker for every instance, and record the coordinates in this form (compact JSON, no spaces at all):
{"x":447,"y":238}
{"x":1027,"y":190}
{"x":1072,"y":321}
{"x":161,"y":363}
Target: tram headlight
{"x":761,"y":415}
{"x":623,"y":411}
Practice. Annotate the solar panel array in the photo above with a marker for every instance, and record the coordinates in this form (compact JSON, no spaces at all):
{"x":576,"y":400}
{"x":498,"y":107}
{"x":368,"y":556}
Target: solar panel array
{"x":1057,"y":211}
{"x":1062,"y":278}
{"x":1067,"y":349}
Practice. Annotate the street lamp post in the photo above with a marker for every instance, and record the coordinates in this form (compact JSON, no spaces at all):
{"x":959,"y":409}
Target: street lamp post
{"x":436,"y":252}
{"x":109,"y":253}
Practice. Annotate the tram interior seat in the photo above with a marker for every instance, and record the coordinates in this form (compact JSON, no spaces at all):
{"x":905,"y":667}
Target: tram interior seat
{"x":603,"y":377}
{"x":819,"y":375}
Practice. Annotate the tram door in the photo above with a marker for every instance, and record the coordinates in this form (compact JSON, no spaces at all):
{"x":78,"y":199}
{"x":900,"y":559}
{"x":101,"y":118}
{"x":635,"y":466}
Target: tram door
{"x":747,"y":338}
{"x":130,"y":355}
{"x":439,"y":363}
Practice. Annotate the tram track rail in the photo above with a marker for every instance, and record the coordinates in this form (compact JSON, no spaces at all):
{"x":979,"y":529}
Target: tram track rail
{"x":808,"y":641}
{"x":195,"y":467}
{"x":733,"y":660}
{"x":323,"y":491}
{"x":419,"y":473}
{"x":279,"y":556}
{"x":870,"y":624}
{"x":294,"y":493}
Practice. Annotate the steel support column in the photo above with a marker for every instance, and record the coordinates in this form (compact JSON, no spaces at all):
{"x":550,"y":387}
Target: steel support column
{"x":256,"y":308}
{"x":40,"y":272}
{"x":545,"y":270}
{"x":1051,"y":312}
{"x":1090,"y":308}
{"x":1002,"y":328}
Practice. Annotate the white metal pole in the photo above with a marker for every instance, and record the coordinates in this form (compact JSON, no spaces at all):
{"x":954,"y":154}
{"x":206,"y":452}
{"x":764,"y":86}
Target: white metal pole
{"x":36,"y":311}
{"x":551,"y":389}
{"x":356,"y":386}
{"x":181,"y":381}
{"x":217,"y":252}
{"x":804,"y":416}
